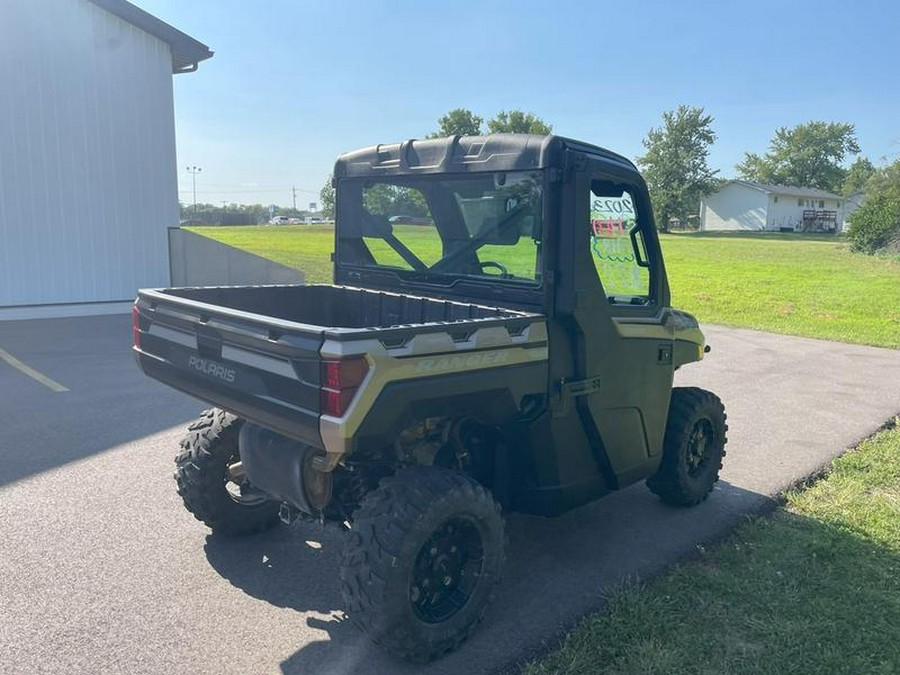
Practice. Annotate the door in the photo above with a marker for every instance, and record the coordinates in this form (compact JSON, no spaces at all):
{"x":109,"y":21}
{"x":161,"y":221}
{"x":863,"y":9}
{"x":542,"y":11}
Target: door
{"x":622,"y":341}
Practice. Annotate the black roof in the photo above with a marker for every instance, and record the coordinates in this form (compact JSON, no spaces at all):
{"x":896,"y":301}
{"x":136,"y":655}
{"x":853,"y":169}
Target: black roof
{"x":186,"y":51}
{"x":461,"y":154}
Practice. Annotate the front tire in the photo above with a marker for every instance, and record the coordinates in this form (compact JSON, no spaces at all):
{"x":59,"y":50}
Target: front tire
{"x":693,"y":448}
{"x":223,"y":502}
{"x":422,"y":560}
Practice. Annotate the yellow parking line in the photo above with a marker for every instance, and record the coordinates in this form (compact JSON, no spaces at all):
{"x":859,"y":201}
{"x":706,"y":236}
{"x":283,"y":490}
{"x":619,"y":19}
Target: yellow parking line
{"x":31,"y":372}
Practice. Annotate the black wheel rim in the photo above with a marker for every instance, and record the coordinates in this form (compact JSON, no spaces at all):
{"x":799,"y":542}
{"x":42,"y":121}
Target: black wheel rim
{"x":699,"y":447}
{"x":447,"y":570}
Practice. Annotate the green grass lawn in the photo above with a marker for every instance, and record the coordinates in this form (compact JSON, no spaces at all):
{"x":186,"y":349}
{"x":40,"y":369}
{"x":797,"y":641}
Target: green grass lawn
{"x":813,"y":589}
{"x":306,"y":247}
{"x":794,"y":284}
{"x":785,"y":283}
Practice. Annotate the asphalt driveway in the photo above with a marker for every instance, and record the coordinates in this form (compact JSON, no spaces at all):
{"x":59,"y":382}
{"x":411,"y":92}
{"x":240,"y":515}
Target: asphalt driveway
{"x":104,"y":571}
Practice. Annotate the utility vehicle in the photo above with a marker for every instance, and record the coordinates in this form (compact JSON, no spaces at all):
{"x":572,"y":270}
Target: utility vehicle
{"x":498,"y":338}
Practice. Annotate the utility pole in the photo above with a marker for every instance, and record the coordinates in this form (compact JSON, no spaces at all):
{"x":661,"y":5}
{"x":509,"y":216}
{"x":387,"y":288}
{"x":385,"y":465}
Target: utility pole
{"x":294,"y":191}
{"x":194,"y":170}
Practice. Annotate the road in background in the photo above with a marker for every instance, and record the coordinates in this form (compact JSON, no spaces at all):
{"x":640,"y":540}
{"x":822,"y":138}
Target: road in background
{"x":104,"y":570}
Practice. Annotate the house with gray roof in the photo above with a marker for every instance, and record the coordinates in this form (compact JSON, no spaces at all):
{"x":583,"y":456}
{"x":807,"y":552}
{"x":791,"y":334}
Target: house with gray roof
{"x":746,"y":205}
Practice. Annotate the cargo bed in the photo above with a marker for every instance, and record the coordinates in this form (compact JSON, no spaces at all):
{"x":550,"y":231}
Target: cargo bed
{"x":255,"y":350}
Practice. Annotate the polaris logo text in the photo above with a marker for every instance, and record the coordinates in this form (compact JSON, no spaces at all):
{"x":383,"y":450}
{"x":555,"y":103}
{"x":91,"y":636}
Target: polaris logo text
{"x":462,"y":362}
{"x":212,"y":368}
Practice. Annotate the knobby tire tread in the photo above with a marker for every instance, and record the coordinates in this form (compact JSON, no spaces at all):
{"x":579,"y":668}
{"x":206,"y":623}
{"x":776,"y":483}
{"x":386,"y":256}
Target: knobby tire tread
{"x":669,"y":482}
{"x":375,"y":545}
{"x":199,"y":475}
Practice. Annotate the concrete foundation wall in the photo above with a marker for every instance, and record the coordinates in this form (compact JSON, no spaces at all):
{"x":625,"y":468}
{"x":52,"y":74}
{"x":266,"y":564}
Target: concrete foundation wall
{"x":195,"y":260}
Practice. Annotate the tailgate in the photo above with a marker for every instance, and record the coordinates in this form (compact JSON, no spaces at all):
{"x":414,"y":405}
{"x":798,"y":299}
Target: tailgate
{"x":263,"y":369}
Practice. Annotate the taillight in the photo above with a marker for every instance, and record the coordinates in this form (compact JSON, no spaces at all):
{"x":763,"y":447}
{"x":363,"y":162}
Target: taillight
{"x":340,"y":378}
{"x":136,"y":326}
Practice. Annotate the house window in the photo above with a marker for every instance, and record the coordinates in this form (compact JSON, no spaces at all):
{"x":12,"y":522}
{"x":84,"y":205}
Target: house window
{"x":799,"y":202}
{"x":776,"y":199}
{"x":821,"y":203}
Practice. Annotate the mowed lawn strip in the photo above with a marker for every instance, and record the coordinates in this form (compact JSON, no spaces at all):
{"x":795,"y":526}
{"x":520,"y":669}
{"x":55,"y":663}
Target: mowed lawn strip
{"x":306,"y":247}
{"x":786,"y":283}
{"x":815,"y":588}
{"x":803,"y":285}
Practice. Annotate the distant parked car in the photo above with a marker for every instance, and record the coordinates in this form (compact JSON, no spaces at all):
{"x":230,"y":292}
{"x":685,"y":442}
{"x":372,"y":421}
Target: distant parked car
{"x":410,"y":220}
{"x":279,"y":220}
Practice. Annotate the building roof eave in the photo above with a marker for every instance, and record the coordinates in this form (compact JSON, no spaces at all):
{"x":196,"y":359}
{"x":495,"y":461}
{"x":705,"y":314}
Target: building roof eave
{"x":787,"y":190}
{"x":187,"y":52}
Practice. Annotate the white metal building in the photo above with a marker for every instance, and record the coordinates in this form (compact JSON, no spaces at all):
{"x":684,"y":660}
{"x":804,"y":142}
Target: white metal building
{"x":745,"y":205}
{"x":88,"y":183}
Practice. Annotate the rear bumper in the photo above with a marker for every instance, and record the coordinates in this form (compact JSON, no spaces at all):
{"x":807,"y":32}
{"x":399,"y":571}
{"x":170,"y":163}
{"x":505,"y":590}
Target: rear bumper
{"x":250,"y":403}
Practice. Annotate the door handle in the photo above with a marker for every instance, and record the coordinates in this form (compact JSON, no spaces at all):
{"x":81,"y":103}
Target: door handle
{"x":571,"y":390}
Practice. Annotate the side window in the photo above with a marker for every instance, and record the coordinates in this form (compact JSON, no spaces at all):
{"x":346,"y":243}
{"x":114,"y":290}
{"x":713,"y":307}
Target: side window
{"x":617,"y":243}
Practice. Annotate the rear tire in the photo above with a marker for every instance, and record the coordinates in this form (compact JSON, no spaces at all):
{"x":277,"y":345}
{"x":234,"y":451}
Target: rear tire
{"x":693,"y":448}
{"x":201,"y":473}
{"x":422,"y":560}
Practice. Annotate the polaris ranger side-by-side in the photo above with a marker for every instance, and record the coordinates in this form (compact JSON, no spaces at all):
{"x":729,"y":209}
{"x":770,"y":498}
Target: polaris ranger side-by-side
{"x":498,"y":338}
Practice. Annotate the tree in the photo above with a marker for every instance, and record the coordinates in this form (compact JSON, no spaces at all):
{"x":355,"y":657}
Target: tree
{"x":459,"y":121}
{"x":326,"y":196}
{"x":875,"y":226}
{"x":518,"y":122}
{"x":809,"y":155}
{"x":388,"y":200}
{"x":858,"y":175}
{"x":675,"y":164}
{"x":224,"y":214}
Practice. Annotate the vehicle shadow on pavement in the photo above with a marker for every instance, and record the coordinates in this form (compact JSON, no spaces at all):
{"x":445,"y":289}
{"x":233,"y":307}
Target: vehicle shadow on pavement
{"x":297,"y":568}
{"x":283,"y":567}
{"x":109,"y":401}
{"x":557,"y":570}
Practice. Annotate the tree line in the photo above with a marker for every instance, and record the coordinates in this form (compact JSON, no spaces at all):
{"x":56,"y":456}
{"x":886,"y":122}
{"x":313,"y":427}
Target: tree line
{"x":812,"y":154}
{"x":676,"y":168}
{"x":234,"y":214}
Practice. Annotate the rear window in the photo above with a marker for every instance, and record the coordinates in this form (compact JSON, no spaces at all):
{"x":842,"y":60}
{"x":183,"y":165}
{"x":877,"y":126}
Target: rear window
{"x":480,"y":226}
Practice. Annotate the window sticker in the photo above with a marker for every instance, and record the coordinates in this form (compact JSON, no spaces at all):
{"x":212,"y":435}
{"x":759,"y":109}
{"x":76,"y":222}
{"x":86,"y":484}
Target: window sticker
{"x":612,"y":219}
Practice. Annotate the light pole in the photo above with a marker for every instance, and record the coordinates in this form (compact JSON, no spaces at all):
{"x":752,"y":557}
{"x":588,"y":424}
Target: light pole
{"x":194,"y":170}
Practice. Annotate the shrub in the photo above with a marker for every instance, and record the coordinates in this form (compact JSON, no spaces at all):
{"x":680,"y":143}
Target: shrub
{"x":876,"y":225}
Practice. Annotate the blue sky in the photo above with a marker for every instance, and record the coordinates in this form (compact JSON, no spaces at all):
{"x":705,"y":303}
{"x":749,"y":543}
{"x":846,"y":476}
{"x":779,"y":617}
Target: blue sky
{"x":294,"y":83}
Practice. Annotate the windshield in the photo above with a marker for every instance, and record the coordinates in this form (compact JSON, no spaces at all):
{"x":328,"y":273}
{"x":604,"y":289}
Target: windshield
{"x":443,"y":228}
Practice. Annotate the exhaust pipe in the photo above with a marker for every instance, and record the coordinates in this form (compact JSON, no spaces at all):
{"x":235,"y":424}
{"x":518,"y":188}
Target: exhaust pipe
{"x":284,"y":468}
